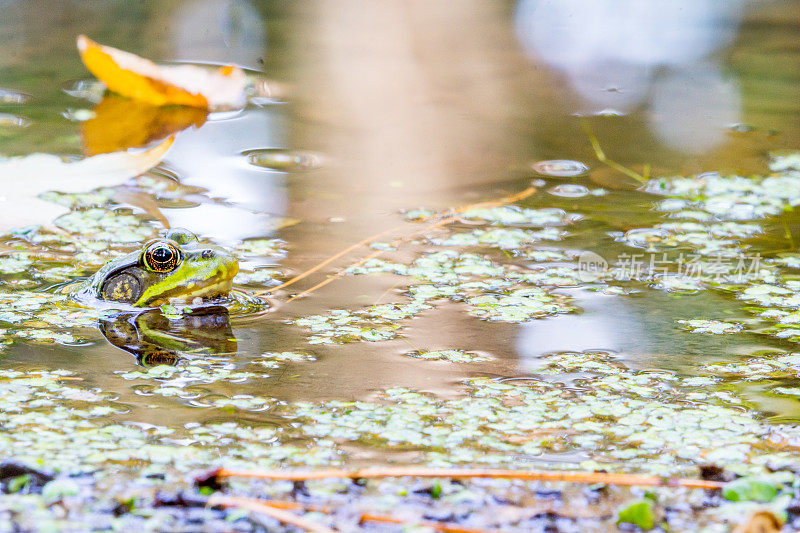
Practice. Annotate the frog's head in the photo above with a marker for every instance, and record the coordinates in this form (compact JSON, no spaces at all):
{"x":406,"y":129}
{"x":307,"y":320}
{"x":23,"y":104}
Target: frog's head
{"x":173,"y":269}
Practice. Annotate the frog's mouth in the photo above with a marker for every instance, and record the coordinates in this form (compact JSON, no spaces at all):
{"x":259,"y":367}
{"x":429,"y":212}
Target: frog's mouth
{"x":199,"y":294}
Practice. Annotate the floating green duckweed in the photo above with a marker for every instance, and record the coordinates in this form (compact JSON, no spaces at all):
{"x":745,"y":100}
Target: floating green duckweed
{"x":261,"y":248}
{"x":260,"y":277}
{"x":650,"y":421}
{"x":76,"y":201}
{"x":452,"y":356}
{"x":69,"y":428}
{"x":639,"y":513}
{"x":719,"y":239}
{"x":104,"y":225}
{"x":15,"y":263}
{"x":492,"y":292}
{"x":182,"y":381}
{"x":783,"y":162}
{"x":419,"y":214}
{"x":279,"y":359}
{"x":517,"y":306}
{"x":759,"y":368}
{"x":733,"y":197}
{"x":375,"y":323}
{"x":503,"y":238}
{"x":578,"y":405}
{"x":43,"y":317}
{"x":715,"y":327}
{"x":194,"y":371}
{"x":719,"y":205}
{"x":511,"y":215}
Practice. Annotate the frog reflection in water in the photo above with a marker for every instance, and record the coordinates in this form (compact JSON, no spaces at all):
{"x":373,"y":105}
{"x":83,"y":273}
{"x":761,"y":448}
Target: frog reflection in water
{"x":174,"y":269}
{"x":157,"y":340}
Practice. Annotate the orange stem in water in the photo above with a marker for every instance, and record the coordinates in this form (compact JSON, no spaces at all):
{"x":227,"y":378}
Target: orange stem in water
{"x":465,"y":473}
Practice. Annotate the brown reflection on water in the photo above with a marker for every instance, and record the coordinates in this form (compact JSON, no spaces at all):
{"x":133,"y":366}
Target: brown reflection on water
{"x":395,"y":96}
{"x":415,"y":102}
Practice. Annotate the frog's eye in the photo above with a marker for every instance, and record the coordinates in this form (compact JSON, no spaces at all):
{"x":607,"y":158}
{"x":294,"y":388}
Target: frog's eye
{"x":161,"y":256}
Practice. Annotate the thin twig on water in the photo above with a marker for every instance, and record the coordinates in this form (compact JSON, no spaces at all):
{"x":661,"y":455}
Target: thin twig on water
{"x":442,"y":219}
{"x":601,"y":155}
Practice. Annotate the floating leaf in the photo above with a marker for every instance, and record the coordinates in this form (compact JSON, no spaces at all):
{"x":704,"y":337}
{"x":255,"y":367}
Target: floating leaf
{"x":25,"y":178}
{"x":453,"y":356}
{"x":639,"y":513}
{"x":138,"y":78}
{"x":750,"y":489}
{"x":59,"y":489}
{"x":714,"y":327}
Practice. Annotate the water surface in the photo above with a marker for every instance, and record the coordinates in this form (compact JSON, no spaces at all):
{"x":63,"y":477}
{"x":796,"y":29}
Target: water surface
{"x":395,"y":106}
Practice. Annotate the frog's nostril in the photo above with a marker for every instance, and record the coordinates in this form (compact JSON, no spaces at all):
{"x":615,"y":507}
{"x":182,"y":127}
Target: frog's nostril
{"x":207,"y":254}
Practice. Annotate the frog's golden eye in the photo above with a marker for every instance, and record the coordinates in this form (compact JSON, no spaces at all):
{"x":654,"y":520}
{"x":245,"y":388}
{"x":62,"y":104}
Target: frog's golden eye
{"x":161,"y":256}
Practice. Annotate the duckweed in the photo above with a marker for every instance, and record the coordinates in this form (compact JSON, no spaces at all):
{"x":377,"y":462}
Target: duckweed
{"x":511,"y":215}
{"x":749,"y":489}
{"x":715,"y":327}
{"x":453,"y":356}
{"x":655,"y":422}
{"x":639,"y":513}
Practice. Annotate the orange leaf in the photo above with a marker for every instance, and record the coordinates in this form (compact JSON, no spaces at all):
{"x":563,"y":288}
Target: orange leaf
{"x":141,"y":79}
{"x":121,"y":123}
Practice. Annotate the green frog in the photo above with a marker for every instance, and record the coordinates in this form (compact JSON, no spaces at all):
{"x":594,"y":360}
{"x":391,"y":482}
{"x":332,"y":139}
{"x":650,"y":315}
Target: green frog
{"x":172,"y":269}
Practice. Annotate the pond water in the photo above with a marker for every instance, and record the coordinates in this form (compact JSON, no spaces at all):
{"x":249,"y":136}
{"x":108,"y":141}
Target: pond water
{"x":369,"y":110}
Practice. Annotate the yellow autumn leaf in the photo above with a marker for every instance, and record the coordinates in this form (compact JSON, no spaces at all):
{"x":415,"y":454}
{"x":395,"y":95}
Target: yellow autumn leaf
{"x":138,"y":78}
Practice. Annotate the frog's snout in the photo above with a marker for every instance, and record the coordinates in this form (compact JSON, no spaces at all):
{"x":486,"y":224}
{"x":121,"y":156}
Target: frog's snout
{"x":227,"y":266}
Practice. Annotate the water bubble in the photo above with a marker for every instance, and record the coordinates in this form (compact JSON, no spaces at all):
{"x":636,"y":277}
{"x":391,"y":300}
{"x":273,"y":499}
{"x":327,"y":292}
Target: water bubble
{"x":7,"y":96}
{"x":143,"y":390}
{"x":283,"y":160}
{"x":78,"y":115}
{"x":560,"y":168}
{"x":740,"y":127}
{"x":13,"y":121}
{"x":607,"y":112}
{"x":645,"y":238}
{"x":91,"y":90}
{"x":568,"y":190}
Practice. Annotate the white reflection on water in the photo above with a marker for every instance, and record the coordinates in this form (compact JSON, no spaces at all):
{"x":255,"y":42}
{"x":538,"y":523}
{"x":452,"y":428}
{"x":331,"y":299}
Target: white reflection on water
{"x":211,"y":157}
{"x":606,"y":323}
{"x":621,"y":54}
{"x":225,"y":31}
{"x":690,"y":105}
